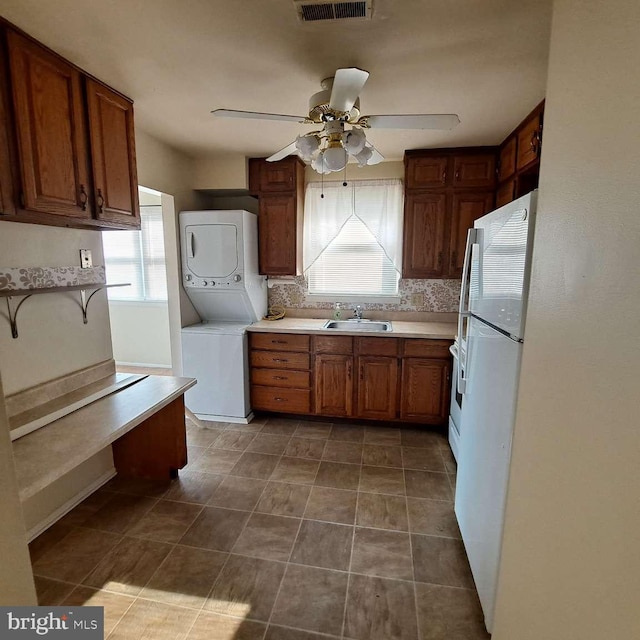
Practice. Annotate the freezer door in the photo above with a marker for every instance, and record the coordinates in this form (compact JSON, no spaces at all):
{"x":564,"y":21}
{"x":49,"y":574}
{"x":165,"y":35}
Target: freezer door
{"x":500,"y":265}
{"x":484,"y":451}
{"x":211,"y":250}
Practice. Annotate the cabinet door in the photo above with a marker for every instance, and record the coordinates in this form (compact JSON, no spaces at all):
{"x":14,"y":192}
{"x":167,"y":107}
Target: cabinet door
{"x":474,"y":170}
{"x":507,"y":165}
{"x":426,"y":172}
{"x":278,"y":176}
{"x":529,"y":140}
{"x":334,"y":385}
{"x":113,"y":155}
{"x":466,"y":209}
{"x":6,"y":177}
{"x":425,"y":390}
{"x":377,"y":387}
{"x":51,"y":130}
{"x":424,"y":229}
{"x":505,"y":193}
{"x":277,"y":232}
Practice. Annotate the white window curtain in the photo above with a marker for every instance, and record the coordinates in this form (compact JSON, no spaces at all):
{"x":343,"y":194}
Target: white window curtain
{"x":353,"y":236}
{"x":137,"y":257}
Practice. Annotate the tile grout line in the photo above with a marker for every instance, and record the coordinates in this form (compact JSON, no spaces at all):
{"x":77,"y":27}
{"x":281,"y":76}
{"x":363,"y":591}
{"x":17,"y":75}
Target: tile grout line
{"x":288,"y":562}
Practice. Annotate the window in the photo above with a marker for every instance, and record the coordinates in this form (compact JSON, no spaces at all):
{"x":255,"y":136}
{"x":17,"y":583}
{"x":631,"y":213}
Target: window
{"x":137,"y":257}
{"x":353,"y":238}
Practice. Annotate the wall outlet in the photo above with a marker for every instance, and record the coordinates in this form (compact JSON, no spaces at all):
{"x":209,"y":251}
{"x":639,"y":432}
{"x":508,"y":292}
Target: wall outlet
{"x":417,"y":299}
{"x":86,"y":261}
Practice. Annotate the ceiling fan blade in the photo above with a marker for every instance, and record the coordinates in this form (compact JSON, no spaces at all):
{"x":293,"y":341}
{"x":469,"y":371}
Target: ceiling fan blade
{"x":376,"y":156}
{"x":424,"y":121}
{"x":232,"y":113}
{"x":347,"y":85}
{"x":283,"y":153}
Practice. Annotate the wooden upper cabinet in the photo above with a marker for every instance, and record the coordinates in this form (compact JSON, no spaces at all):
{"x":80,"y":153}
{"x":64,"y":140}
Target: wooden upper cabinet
{"x":425,"y":389}
{"x":507,"y":162}
{"x":505,"y":193}
{"x":6,"y":177}
{"x":426,"y":172}
{"x":474,"y":170}
{"x":530,"y":140}
{"x":424,"y":228}
{"x":377,"y":387}
{"x":277,"y":230}
{"x":51,"y":131}
{"x":334,"y":385}
{"x":278,"y":176}
{"x":113,"y":155}
{"x":466,"y":209}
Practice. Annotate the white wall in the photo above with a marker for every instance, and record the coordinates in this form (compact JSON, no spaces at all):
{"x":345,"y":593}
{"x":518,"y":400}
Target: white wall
{"x":53,"y":340}
{"x":571,"y":560}
{"x":140,"y":332}
{"x":226,"y":171}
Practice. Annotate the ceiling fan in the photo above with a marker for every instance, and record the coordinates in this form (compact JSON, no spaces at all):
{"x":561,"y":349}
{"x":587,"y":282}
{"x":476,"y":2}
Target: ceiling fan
{"x":336,"y":106}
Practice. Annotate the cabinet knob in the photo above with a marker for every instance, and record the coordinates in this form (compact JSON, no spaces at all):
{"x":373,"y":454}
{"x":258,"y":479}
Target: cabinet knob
{"x":83,"y":198}
{"x":100,"y":200}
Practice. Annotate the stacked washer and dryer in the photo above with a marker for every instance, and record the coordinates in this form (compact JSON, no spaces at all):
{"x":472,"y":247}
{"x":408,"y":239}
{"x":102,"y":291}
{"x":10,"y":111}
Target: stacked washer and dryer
{"x":220,"y":277}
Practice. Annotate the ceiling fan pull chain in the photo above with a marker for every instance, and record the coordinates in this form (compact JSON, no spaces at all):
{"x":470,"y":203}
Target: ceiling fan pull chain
{"x":322,"y":185}
{"x":344,"y":179}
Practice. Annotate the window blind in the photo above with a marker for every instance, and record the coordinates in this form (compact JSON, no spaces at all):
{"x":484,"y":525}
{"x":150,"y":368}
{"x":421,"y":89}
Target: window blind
{"x":137,"y":257}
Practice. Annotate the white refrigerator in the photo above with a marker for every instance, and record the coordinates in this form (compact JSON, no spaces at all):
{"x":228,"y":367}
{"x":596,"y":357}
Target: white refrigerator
{"x":493,"y":304}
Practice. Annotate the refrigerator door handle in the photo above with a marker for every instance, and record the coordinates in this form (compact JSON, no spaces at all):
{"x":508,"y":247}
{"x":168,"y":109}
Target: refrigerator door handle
{"x":463,"y":311}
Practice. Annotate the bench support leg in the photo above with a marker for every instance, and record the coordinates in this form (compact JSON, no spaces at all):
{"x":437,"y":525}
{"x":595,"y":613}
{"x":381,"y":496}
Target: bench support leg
{"x":156,"y":448}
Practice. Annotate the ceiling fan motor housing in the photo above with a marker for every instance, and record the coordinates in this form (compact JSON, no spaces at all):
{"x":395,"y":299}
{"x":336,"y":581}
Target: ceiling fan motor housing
{"x":320,"y":111}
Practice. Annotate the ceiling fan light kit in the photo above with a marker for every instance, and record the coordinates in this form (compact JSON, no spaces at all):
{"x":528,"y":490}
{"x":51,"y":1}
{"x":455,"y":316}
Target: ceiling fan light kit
{"x":337,"y":105}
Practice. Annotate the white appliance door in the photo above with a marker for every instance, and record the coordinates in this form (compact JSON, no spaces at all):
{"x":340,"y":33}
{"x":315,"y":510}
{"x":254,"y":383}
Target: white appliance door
{"x":219,"y":361}
{"x":500,"y":264}
{"x":211,"y":250}
{"x":484,"y":452}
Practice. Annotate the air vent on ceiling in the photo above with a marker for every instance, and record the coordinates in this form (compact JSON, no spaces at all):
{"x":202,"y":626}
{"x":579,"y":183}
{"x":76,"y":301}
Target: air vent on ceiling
{"x":316,"y":10}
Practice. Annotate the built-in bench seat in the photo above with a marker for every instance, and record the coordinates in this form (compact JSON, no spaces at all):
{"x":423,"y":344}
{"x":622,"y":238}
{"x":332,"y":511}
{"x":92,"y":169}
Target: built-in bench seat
{"x":143,"y":422}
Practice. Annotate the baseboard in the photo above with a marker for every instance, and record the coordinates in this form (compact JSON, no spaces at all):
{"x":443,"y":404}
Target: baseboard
{"x":234,"y":419}
{"x":53,"y":517}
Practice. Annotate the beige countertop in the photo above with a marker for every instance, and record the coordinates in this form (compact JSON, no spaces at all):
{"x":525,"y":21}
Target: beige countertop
{"x":400,"y":328}
{"x":47,"y":454}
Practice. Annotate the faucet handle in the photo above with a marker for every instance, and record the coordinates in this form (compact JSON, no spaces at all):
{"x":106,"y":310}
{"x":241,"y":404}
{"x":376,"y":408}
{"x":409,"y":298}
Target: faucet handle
{"x":357,"y":312}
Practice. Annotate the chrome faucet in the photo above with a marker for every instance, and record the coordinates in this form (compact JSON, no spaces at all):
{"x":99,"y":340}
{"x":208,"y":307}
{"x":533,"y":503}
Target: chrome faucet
{"x":357,"y":312}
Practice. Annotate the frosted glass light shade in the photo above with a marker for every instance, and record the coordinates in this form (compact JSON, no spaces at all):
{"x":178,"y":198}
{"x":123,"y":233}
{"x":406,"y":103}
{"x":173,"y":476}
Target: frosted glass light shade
{"x":307,"y":146}
{"x":364,"y":156}
{"x":335,"y":158}
{"x":318,"y":164}
{"x":354,"y":141}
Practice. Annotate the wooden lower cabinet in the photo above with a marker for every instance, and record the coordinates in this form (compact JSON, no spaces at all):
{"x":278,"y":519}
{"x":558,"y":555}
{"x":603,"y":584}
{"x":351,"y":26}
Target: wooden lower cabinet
{"x":425,"y":389}
{"x":377,"y":387}
{"x":334,"y":385}
{"x":373,"y":378}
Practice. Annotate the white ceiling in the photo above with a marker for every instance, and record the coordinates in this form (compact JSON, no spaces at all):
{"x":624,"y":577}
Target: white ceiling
{"x":178,"y":59}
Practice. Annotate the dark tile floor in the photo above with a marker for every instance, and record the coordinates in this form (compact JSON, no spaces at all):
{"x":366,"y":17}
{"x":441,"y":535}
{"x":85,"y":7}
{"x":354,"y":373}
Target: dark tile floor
{"x":277,"y":530}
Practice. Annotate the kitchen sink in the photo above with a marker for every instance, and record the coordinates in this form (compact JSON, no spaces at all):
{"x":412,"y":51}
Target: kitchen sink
{"x":357,"y":325}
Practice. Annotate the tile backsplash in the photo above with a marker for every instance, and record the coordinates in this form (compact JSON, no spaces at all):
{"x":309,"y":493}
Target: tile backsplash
{"x":415,"y":295}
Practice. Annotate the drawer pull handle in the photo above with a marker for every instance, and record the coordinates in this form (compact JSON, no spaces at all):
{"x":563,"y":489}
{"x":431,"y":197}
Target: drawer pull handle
{"x":280,"y":360}
{"x":280,"y":399}
{"x":280,"y":378}
{"x":279,"y":342}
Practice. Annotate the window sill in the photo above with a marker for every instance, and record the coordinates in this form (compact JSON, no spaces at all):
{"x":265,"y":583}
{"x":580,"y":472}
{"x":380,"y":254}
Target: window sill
{"x":131,"y":303}
{"x":354,"y":298}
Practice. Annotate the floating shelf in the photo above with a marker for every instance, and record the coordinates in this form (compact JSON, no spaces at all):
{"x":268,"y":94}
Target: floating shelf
{"x":27,"y":293}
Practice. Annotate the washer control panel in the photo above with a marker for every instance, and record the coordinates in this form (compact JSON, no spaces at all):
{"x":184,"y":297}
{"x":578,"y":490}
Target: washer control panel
{"x":232,"y":282}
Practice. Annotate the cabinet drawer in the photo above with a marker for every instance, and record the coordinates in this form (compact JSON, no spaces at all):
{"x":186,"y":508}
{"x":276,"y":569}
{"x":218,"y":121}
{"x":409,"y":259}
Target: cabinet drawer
{"x":333,"y":344}
{"x":420,"y":348}
{"x":279,"y":360}
{"x":281,"y":378}
{"x":378,"y":346}
{"x":279,"y":342}
{"x":285,"y":400}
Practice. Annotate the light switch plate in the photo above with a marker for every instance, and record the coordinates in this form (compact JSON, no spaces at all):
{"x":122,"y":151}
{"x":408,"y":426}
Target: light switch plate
{"x":86,"y":261}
